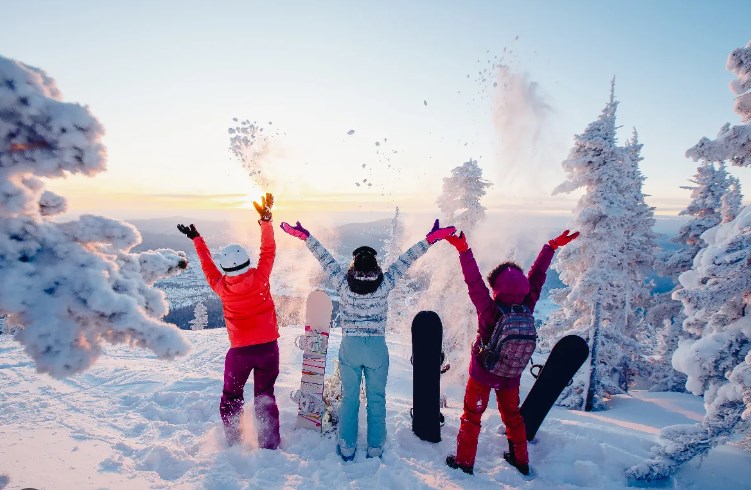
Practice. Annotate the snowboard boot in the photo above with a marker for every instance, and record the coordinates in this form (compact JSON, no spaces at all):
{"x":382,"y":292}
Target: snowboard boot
{"x":451,"y":462}
{"x":375,"y":452}
{"x":511,"y":458}
{"x":346,"y":454}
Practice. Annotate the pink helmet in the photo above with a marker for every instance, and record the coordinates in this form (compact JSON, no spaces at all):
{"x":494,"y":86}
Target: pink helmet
{"x":511,"y":286}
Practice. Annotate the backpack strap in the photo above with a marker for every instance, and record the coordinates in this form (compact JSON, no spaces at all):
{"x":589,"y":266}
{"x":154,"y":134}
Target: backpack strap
{"x":505,"y":310}
{"x":519,"y":337}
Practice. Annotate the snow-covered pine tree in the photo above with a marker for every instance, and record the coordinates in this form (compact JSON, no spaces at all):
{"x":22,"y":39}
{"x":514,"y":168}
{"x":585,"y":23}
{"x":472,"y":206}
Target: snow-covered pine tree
{"x":715,"y":198}
{"x":68,"y":287}
{"x":462,"y":191}
{"x":200,"y":317}
{"x":460,"y":206}
{"x":710,"y":185}
{"x":402,"y":296}
{"x":716,"y":295}
{"x":603,"y":265}
{"x":640,"y":251}
{"x":732,"y":200}
{"x":666,"y":316}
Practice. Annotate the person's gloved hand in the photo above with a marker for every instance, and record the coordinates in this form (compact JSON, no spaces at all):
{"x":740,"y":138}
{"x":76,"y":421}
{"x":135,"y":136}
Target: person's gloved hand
{"x":562,"y":239}
{"x":438,"y":233}
{"x":189,"y":231}
{"x":459,"y":242}
{"x":296,"y":231}
{"x":264,"y":209}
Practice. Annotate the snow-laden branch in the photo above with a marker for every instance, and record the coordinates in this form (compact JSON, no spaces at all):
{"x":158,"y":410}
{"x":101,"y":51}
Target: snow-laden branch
{"x":68,"y":287}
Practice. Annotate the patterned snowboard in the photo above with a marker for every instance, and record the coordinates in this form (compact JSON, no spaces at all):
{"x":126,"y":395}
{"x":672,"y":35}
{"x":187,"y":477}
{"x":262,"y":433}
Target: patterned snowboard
{"x":314,"y":345}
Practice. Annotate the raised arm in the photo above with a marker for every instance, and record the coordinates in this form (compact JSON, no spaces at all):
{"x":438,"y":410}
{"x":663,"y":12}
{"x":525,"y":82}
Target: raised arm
{"x":396,"y":270}
{"x":479,"y":294}
{"x":538,"y":271}
{"x":331,"y":267}
{"x":210,"y":270}
{"x":405,"y":260}
{"x":268,"y":249}
{"x":268,"y":244}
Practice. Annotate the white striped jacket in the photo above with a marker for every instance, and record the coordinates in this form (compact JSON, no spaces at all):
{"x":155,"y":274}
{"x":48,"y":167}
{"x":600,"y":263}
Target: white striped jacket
{"x":364,"y":314}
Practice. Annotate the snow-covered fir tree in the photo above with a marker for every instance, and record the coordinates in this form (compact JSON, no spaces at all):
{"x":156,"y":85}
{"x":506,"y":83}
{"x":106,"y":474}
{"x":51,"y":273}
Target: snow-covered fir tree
{"x":460,"y":205}
{"x":402,"y":296}
{"x":715,"y":198}
{"x":459,"y":201}
{"x":716,"y":294}
{"x":732,"y":200}
{"x":607,"y":265}
{"x":705,"y":212}
{"x":200,"y":317}
{"x":640,"y":246}
{"x":68,"y":287}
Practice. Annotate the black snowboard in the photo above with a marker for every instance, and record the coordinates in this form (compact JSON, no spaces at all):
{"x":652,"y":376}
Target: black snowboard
{"x":564,"y":361}
{"x":427,"y":337}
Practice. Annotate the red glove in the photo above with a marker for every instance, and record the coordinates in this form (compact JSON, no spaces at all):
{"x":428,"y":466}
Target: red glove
{"x":459,"y":242}
{"x":562,"y":239}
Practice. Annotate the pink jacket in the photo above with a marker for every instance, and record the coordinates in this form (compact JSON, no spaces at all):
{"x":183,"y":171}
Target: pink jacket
{"x":487,"y":308}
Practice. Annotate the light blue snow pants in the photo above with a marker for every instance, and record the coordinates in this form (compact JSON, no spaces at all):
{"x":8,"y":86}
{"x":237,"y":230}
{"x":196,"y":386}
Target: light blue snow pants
{"x":358,"y":355}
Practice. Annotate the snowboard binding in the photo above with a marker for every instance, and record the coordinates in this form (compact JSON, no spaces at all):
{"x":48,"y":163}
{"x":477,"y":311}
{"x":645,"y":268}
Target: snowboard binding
{"x":316,"y":342}
{"x":307,"y":403}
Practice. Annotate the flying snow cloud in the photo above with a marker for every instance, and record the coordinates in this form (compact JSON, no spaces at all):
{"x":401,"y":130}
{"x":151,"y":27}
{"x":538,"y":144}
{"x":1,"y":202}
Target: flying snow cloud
{"x":521,"y":115}
{"x":256,"y":145}
{"x":68,"y":288}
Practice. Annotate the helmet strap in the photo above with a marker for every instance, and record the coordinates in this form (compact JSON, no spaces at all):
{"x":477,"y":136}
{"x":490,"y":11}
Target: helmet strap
{"x":237,"y":268}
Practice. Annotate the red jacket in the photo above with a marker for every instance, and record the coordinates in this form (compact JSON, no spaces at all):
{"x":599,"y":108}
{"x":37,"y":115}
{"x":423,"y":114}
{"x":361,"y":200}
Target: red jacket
{"x":249,"y":311}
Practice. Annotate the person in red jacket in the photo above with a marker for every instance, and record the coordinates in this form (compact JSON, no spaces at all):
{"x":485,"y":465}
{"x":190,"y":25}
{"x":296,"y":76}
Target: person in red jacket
{"x":510,"y":287}
{"x":250,"y":317}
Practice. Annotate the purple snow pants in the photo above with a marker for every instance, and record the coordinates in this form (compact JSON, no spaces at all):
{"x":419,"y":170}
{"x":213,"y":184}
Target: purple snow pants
{"x":263,"y":360}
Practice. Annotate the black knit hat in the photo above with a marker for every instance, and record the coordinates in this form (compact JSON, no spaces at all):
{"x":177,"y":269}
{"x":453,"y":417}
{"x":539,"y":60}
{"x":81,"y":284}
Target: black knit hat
{"x":365,"y":249}
{"x":364,"y":259}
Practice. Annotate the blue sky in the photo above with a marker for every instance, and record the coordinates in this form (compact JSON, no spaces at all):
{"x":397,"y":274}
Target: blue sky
{"x":166,"y":79}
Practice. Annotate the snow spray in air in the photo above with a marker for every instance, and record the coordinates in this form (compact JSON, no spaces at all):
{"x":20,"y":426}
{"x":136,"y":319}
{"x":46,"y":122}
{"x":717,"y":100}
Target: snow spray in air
{"x":254,"y":145}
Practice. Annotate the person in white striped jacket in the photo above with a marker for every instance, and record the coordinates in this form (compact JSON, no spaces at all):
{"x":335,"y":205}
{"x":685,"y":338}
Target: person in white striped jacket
{"x":363,"y":291}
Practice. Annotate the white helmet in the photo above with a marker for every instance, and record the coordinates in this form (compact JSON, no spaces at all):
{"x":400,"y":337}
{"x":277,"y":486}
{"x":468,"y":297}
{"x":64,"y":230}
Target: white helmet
{"x":234,"y":260}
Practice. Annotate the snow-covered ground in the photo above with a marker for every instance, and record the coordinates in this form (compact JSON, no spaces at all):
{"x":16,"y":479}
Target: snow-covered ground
{"x":133,"y":421}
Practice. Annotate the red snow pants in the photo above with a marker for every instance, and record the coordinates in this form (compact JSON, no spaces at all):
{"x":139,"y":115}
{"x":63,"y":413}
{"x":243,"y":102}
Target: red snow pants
{"x":475,"y":402}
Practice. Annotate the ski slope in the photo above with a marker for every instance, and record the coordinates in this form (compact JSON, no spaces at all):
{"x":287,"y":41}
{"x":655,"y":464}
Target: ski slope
{"x":133,"y":421}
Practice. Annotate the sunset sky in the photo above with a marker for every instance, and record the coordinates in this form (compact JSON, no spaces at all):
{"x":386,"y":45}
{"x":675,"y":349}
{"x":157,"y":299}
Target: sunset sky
{"x":167,"y":78}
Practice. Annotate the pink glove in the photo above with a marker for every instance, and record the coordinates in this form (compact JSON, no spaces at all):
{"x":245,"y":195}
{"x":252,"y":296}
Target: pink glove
{"x":439,"y":233}
{"x":296,"y":231}
{"x":459,"y":242}
{"x":562,"y":239}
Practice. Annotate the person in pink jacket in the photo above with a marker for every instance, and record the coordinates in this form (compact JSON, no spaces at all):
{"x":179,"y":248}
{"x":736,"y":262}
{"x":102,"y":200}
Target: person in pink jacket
{"x":510,"y":286}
